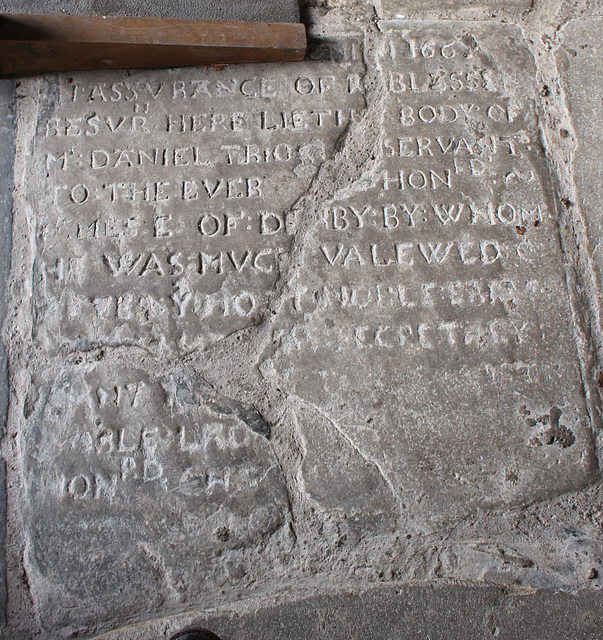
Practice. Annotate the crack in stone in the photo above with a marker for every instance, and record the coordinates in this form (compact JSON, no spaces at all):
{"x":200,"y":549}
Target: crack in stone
{"x":370,"y":461}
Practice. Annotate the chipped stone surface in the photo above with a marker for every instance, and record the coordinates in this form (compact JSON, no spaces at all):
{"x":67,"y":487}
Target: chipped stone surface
{"x":167,"y":198}
{"x":6,"y":185}
{"x":288,"y":330}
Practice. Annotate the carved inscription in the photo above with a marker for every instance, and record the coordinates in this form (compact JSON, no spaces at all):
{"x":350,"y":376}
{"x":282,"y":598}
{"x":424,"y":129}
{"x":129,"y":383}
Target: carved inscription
{"x":435,"y":294}
{"x":167,"y":196}
{"x":140,"y":473}
{"x":161,"y":205}
{"x":419,"y":348}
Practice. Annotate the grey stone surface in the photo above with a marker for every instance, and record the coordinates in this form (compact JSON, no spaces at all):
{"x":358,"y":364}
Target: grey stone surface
{"x":289,"y":330}
{"x":6,"y":188}
{"x":444,"y":255}
{"x":133,"y":466}
{"x":169,"y":198}
{"x":406,"y":8}
{"x":3,"y":593}
{"x":403,"y":612}
{"x":130,"y":479}
{"x":580,"y":59}
{"x":262,"y":10}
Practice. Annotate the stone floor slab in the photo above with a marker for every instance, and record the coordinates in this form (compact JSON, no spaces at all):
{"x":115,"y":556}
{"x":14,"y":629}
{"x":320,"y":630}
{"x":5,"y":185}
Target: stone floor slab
{"x":262,"y":10}
{"x":6,"y":201}
{"x":285,"y":329}
{"x":404,"y":612}
{"x":434,"y":290}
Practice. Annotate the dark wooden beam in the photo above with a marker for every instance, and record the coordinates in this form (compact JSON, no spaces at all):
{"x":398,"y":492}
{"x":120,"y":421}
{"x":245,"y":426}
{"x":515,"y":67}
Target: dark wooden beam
{"x":47,"y":43}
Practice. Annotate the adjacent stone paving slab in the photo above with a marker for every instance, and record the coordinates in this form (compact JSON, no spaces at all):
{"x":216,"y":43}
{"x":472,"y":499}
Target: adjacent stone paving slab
{"x":6,"y":186}
{"x":580,"y":61}
{"x":263,"y":10}
{"x":307,"y":322}
{"x":405,"y":612}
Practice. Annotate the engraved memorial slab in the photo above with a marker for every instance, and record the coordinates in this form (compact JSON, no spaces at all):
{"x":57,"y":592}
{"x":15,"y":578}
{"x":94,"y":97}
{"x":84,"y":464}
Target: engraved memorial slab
{"x":280,"y":322}
{"x":431,"y":322}
{"x":161,"y":204}
{"x":166,"y":197}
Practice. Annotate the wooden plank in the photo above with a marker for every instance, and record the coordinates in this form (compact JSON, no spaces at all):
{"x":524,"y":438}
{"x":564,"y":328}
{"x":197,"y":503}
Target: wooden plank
{"x":48,"y":43}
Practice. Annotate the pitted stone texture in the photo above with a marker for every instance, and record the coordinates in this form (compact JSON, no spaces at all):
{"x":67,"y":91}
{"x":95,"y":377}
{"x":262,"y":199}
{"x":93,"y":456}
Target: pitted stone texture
{"x":143,"y":493}
{"x":328,"y":469}
{"x":7,"y":149}
{"x":581,"y":60}
{"x":6,"y":183}
{"x":262,"y":10}
{"x":431,"y":322}
{"x":580,"y":9}
{"x":162,"y":200}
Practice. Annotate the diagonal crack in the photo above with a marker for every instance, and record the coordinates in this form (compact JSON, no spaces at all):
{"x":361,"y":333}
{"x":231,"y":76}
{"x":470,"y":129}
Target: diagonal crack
{"x":366,"y":457}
